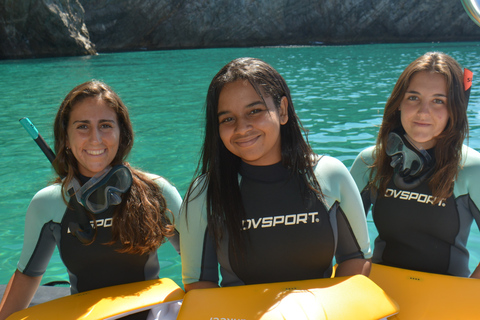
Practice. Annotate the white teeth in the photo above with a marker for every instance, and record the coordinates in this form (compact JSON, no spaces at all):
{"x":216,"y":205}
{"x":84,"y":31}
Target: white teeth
{"x":95,"y":152}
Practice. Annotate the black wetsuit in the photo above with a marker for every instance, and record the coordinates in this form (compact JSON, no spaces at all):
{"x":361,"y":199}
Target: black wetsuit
{"x":89,"y":266}
{"x":413,"y":232}
{"x":292,"y":235}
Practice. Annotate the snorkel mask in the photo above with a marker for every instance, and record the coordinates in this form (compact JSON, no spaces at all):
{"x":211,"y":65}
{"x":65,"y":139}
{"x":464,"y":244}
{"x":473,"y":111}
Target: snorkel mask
{"x":411,"y":165}
{"x":104,"y":189}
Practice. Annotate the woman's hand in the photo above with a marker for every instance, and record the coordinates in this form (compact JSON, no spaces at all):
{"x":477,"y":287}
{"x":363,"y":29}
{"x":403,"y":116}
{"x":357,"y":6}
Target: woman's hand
{"x":354,"y":266}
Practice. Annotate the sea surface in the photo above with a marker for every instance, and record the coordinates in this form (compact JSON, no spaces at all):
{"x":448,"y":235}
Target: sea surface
{"x":339,"y":93}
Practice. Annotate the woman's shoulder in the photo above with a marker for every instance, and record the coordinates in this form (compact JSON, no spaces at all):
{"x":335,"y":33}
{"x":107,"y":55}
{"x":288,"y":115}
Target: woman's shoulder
{"x":327,"y":161}
{"x":334,"y":179}
{"x":328,"y":166}
{"x":198,"y":187}
{"x":159,"y":180}
{"x":470,"y":162}
{"x":362,"y":164}
{"x":168,"y":191}
{"x":165,"y":186}
{"x":366,"y":155}
{"x":49,"y":193}
{"x":48,"y":204}
{"x":469,"y":174}
{"x":156,"y":178}
{"x":470,"y":156}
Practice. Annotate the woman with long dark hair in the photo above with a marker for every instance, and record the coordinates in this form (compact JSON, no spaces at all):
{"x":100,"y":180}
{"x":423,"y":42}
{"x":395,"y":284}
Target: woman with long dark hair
{"x":263,"y":206}
{"x":420,"y":177}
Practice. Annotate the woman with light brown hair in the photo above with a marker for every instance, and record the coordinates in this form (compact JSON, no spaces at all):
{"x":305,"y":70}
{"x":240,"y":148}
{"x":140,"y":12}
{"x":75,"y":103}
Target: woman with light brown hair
{"x":107,"y":218}
{"x":422,"y":180}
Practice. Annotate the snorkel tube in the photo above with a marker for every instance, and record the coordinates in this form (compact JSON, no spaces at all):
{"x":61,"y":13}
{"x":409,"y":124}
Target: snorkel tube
{"x":86,"y":234}
{"x":33,"y":132}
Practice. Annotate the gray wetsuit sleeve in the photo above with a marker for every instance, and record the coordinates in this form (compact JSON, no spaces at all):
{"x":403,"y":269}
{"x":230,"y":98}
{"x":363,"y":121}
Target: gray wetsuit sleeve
{"x":360,"y":172}
{"x":194,"y":240}
{"x":344,"y":202}
{"x":174,"y":202}
{"x":468,"y":181}
{"x":43,"y":215}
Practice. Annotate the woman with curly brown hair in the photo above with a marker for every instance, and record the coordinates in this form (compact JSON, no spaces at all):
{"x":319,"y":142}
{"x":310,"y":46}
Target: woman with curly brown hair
{"x":422,"y":180}
{"x":107,"y":218}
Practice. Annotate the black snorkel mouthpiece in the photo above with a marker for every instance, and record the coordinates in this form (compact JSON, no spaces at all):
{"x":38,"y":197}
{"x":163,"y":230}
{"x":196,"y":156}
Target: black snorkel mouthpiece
{"x":84,"y":235}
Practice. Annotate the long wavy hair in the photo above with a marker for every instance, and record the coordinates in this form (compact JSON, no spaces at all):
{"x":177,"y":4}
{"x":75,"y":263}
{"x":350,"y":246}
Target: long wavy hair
{"x":219,"y":167}
{"x":140,"y":223}
{"x":447,"y":153}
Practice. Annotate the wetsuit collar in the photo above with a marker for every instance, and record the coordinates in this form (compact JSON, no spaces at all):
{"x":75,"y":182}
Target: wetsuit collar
{"x":83,"y":179}
{"x":272,"y":173}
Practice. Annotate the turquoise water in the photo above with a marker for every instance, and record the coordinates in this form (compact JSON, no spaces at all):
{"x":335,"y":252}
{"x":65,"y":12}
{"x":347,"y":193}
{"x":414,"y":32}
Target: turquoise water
{"x":339,"y":93}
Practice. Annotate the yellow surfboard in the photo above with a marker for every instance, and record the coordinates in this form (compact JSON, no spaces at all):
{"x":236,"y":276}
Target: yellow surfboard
{"x":342,"y":298}
{"x":105,"y":303}
{"x":422,"y":295}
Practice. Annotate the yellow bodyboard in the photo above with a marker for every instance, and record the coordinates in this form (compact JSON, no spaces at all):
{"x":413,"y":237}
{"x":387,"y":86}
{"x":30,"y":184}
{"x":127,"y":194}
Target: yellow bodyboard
{"x":105,"y":302}
{"x":342,"y":298}
{"x":422,"y":295}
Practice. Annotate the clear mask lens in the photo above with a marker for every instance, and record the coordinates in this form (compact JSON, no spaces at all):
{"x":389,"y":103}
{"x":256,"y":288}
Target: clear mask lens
{"x":104,"y":189}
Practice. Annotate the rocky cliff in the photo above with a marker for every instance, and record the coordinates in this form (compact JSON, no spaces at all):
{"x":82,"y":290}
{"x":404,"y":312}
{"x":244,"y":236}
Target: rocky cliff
{"x":43,"y":28}
{"x":36,"y":28}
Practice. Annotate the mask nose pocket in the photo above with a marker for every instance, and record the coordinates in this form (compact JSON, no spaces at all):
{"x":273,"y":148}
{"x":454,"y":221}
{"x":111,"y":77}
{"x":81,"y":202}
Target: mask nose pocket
{"x":104,"y":189}
{"x":411,"y":165}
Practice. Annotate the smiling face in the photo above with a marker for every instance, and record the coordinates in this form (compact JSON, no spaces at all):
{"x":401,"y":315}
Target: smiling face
{"x":250,"y":127}
{"x":424,"y":113}
{"x":93,"y":135}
